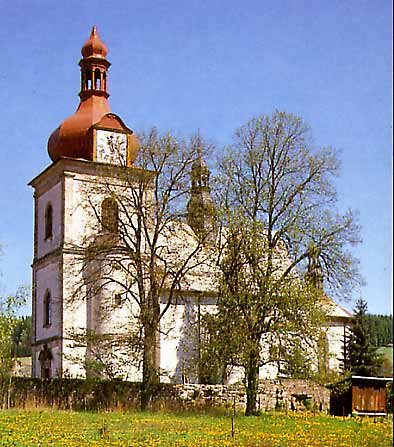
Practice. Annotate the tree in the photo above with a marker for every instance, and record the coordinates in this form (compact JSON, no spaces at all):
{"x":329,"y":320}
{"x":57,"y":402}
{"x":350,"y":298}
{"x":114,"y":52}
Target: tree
{"x":277,"y":204}
{"x":8,"y":322}
{"x":141,"y":246}
{"x":21,"y":337}
{"x":363,"y":359}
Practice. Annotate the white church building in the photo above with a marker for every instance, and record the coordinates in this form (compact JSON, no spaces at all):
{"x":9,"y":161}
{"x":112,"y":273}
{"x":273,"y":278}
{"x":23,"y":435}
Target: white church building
{"x":81,"y":153}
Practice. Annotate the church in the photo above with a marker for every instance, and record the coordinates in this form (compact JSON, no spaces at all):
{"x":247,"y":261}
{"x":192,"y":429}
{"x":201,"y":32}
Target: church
{"x":73,"y":210}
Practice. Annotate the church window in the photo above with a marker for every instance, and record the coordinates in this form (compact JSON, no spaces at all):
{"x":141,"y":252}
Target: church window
{"x":109,"y":215}
{"x":47,"y":309}
{"x":48,"y":221}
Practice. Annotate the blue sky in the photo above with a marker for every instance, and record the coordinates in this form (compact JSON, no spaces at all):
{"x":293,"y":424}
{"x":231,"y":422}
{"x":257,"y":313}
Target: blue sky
{"x":210,"y":66}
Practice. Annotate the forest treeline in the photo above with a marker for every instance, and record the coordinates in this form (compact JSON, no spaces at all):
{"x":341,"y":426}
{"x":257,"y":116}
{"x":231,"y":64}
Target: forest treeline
{"x":380,"y":329}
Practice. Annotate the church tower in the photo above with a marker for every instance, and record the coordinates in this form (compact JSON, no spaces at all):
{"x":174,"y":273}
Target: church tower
{"x":201,"y":208}
{"x":87,"y":149}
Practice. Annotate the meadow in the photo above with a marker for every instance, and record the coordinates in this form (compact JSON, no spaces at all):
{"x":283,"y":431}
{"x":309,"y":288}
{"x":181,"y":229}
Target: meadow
{"x":71,"y":429}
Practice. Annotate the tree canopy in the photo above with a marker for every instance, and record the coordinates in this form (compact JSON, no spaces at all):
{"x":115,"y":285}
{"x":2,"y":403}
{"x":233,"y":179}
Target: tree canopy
{"x":284,"y":240}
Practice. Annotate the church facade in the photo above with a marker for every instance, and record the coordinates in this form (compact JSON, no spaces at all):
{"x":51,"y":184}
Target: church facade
{"x":89,"y":151}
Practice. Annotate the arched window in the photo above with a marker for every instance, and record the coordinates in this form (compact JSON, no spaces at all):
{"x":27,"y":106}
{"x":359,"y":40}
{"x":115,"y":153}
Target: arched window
{"x":97,"y":80}
{"x":48,"y":221}
{"x":88,"y":79}
{"x":47,"y":310}
{"x":109,"y":215}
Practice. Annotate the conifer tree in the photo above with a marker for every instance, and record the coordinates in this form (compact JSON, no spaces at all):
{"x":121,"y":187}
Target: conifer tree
{"x":362,"y":358}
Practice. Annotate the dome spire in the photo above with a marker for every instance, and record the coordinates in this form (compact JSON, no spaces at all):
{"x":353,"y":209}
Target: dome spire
{"x":94,"y":67}
{"x":74,"y":138}
{"x":94,"y":46}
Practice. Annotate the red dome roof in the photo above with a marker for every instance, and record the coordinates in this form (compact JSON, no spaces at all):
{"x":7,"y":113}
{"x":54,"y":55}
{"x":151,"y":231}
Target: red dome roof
{"x":71,"y":138}
{"x":94,"y":46}
{"x":74,"y":138}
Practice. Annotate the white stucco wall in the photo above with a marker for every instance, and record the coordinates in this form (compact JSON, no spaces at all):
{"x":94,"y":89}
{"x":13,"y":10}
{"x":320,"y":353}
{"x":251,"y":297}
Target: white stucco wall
{"x":54,"y":197}
{"x":178,"y":342}
{"x":47,"y":279}
{"x":335,"y":337}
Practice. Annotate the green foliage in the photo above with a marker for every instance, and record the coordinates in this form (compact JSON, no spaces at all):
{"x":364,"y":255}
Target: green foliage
{"x":297,"y":362}
{"x":8,"y":322}
{"x":215,"y":354}
{"x":362,"y":356}
{"x":277,"y":200}
{"x":386,"y":353}
{"x":21,"y":337}
{"x":380,"y":329}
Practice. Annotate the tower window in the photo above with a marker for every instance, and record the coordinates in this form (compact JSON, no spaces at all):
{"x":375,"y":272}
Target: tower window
{"x":109,"y":215}
{"x":88,"y":79}
{"x":97,"y":81}
{"x":47,"y":311}
{"x":48,"y":221}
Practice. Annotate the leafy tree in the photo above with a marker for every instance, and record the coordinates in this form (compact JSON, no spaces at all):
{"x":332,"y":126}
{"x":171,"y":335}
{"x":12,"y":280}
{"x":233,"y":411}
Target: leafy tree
{"x":21,"y":337}
{"x":277,"y":207}
{"x":363,"y":359}
{"x":146,"y":252}
{"x":8,"y":322}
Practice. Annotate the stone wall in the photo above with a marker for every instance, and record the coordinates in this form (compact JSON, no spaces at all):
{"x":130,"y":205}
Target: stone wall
{"x":277,"y":394}
{"x":80,"y":394}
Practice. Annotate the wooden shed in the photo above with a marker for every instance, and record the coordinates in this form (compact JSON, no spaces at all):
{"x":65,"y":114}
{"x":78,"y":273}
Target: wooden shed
{"x":369,"y":395}
{"x":359,"y":395}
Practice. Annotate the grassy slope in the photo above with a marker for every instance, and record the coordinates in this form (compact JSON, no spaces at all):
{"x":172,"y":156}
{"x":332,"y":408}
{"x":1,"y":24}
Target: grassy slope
{"x":387,"y":368}
{"x":69,"y":429}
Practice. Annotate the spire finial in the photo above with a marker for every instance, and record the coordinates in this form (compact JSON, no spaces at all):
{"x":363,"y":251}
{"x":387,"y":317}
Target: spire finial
{"x":94,"y":46}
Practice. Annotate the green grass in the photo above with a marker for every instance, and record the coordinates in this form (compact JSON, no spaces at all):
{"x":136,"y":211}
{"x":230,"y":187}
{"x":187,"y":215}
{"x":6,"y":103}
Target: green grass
{"x":70,"y":429}
{"x":386,"y":369}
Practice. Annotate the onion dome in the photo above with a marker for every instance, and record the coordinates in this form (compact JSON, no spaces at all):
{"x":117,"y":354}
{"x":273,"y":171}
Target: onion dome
{"x":74,"y":137}
{"x":94,"y":46}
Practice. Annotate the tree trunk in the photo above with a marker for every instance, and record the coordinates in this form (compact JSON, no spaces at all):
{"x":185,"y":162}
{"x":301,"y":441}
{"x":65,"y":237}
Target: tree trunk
{"x":252,"y":376}
{"x":150,"y":369}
